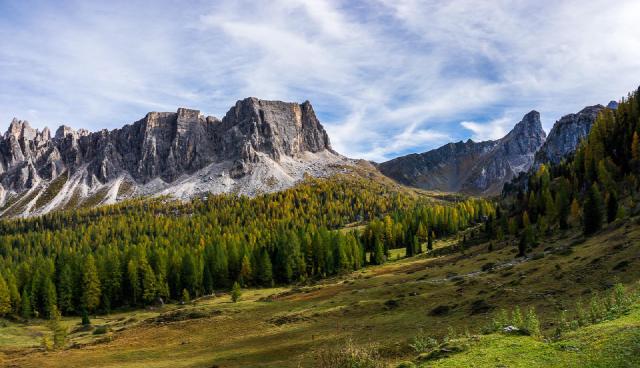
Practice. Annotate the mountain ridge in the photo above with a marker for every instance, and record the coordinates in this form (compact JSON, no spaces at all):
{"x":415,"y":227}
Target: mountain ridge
{"x":258,"y":146}
{"x":470,"y":167}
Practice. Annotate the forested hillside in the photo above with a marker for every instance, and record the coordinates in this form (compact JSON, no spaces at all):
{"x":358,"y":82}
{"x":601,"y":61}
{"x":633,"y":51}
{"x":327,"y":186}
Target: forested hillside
{"x":596,"y":185}
{"x":132,"y":253}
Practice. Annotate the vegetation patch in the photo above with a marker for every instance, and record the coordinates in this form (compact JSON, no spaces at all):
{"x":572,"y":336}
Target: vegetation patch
{"x":184,"y":315}
{"x":52,"y":190}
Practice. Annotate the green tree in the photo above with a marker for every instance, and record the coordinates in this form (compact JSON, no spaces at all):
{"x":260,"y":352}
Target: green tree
{"x":430,"y":238}
{"x":612,"y":207}
{"x":188,"y":274}
{"x":265,"y":274}
{"x":592,"y":211}
{"x":186,"y":298}
{"x":5,"y":297}
{"x":235,"y":292}
{"x":90,"y":284}
{"x":50,"y":299}
{"x":65,"y":290}
{"x":134,"y":282}
{"x":245,"y":270}
{"x":26,"y":310}
{"x":149,"y":287}
{"x":378,"y":252}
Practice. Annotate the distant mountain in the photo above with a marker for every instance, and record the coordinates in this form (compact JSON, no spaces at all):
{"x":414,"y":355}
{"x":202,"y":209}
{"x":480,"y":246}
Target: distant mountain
{"x":469,"y":167}
{"x":567,"y":133}
{"x":259,"y":146}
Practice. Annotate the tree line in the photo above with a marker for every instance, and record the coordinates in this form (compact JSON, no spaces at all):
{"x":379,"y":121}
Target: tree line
{"x":584,"y":190}
{"x":133,"y":253}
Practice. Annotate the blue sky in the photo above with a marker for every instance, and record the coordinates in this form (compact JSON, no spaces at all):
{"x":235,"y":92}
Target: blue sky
{"x":386,"y":77}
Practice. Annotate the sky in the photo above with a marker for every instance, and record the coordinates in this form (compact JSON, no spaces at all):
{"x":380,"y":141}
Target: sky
{"x":385,"y":77}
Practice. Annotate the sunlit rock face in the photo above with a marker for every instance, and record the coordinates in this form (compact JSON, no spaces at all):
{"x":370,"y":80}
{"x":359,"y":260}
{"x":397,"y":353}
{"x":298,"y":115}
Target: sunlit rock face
{"x":471,"y":167}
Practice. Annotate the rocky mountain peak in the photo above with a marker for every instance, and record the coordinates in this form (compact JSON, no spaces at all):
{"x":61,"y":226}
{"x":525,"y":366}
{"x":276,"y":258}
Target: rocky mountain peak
{"x":472,"y":167}
{"x":20,"y":129}
{"x":258,"y":146}
{"x":530,"y":125}
{"x":566,"y":134}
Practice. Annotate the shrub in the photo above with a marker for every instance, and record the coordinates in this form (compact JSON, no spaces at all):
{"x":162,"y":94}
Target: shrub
{"x":516,"y":318}
{"x":101,"y":330}
{"x":349,"y":355}
{"x":422,"y":343}
{"x":406,"y":365}
{"x":531,"y":323}
{"x":85,"y":318}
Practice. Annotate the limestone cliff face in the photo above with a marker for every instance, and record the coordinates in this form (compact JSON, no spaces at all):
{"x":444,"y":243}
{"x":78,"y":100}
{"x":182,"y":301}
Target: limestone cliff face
{"x":469,"y":167}
{"x":165,"y":147}
{"x":566,"y":134}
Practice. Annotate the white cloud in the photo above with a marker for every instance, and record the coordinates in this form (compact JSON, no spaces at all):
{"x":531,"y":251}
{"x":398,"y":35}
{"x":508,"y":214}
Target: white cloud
{"x":492,"y":130}
{"x":386,"y":77}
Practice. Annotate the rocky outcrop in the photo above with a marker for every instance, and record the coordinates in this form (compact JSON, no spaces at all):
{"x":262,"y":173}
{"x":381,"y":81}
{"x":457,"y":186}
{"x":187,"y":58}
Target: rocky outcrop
{"x":164,"y":148}
{"x":567,"y":133}
{"x":475,"y":168}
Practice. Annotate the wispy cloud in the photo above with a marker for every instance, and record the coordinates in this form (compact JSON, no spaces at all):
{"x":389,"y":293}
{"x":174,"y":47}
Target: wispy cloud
{"x":494,"y":129}
{"x":386,"y":77}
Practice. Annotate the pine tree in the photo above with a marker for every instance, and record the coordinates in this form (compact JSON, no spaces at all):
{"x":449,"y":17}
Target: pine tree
{"x":149,"y":287}
{"x":134,"y":282}
{"x":265,"y":269}
{"x":188,"y":274}
{"x":186,"y":298}
{"x":65,"y":290}
{"x":5,"y":297}
{"x":90,"y":284}
{"x":14,"y":294}
{"x":430,"y":240}
{"x":50,"y":299}
{"x":412,"y":246}
{"x":245,"y":270}
{"x":612,"y":207}
{"x":378,"y":252}
{"x":26,"y":310}
{"x":235,"y":292}
{"x":592,"y":211}
{"x":635,"y":152}
{"x":575,"y":210}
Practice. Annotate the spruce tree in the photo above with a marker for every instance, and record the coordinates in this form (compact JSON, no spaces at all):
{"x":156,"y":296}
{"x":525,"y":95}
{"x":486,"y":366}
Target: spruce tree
{"x":235,"y":292}
{"x":612,"y":207}
{"x":592,"y":211}
{"x":378,"y":252}
{"x":188,"y":273}
{"x":90,"y":284}
{"x":26,"y":310}
{"x":265,"y":271}
{"x":149,"y":287}
{"x":5,"y":297}
{"x":65,"y":290}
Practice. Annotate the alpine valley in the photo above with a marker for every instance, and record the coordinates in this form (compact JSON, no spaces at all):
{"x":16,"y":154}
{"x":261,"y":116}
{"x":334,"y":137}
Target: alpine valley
{"x":189,"y":241}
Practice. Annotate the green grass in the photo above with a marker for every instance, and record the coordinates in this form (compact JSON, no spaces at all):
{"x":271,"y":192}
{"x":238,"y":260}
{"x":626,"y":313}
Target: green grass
{"x":285,"y":326}
{"x":613,"y":343}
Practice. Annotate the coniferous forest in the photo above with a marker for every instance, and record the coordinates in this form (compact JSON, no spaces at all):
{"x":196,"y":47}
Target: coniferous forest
{"x":133,"y":253}
{"x":585,"y":190}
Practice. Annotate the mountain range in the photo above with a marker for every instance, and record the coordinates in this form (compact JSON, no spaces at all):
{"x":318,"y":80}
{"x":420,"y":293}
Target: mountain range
{"x":258,"y":146}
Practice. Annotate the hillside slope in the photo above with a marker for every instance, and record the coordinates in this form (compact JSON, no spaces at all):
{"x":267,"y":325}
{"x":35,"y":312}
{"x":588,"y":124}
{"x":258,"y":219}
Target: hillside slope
{"x":382,"y":305}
